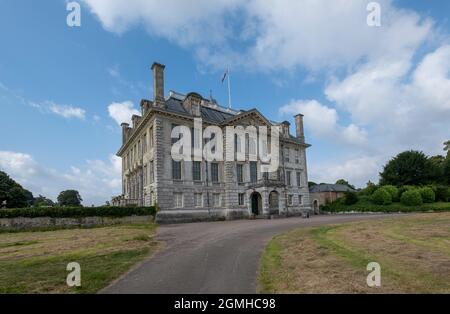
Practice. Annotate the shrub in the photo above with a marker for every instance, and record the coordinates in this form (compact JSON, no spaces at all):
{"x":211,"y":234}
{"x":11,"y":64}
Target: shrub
{"x":405,"y":188}
{"x":393,"y":191}
{"x":442,"y":193}
{"x":427,"y":194}
{"x":393,"y":208}
{"x":411,"y":198}
{"x":64,"y":212}
{"x":350,"y":198}
{"x":381,"y":197}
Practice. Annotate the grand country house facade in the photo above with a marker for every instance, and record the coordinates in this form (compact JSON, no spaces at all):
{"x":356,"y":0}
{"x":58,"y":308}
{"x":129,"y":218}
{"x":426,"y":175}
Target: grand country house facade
{"x":201,"y":190}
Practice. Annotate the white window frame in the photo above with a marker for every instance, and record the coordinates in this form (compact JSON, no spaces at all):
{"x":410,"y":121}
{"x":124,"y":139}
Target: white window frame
{"x":178,"y":199}
{"x":198,"y":196}
{"x":218,"y":203}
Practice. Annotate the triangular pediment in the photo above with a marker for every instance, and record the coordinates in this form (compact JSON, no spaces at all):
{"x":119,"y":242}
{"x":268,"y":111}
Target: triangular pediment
{"x":246,"y":118}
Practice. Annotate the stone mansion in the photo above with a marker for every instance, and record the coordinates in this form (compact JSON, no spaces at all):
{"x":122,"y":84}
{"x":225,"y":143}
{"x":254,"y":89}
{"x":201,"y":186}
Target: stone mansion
{"x":207,"y":190}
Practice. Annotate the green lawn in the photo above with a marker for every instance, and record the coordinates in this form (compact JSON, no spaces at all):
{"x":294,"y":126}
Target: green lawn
{"x":35,"y":262}
{"x":413,"y":251}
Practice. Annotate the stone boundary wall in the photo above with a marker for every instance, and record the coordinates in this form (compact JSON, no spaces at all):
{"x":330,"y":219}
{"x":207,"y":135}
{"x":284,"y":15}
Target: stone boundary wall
{"x":201,"y":215}
{"x":23,"y":223}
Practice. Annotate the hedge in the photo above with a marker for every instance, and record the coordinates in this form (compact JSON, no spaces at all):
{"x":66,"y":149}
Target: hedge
{"x":393,"y":208}
{"x":75,"y":212}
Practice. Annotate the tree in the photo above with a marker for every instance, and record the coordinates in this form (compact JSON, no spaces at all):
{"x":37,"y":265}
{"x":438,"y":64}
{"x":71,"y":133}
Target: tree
{"x":447,"y":171}
{"x":42,"y":201}
{"x":350,"y":198}
{"x":345,"y":182}
{"x":436,"y":166}
{"x":447,"y":148}
{"x":370,"y":188}
{"x":13,"y":193}
{"x":407,"y":168}
{"x":69,"y":198}
{"x":311,"y":184}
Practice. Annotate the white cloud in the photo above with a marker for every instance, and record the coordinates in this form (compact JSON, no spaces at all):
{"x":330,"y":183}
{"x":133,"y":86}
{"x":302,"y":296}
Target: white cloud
{"x":354,"y":134}
{"x":183,"y":22}
{"x":67,"y":111}
{"x":21,"y":164}
{"x":357,"y":170}
{"x":122,"y":112}
{"x":406,"y":106}
{"x":431,"y":80}
{"x":322,"y":121}
{"x":96,"y":180}
{"x":270,"y":34}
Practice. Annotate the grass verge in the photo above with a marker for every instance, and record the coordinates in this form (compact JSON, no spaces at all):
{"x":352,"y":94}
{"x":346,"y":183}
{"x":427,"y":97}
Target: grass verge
{"x":413,"y":251}
{"x":35,"y":262}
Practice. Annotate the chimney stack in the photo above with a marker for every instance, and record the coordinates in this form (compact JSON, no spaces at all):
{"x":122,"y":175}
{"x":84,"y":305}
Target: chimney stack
{"x":158,"y":84}
{"x":125,"y":128}
{"x":299,"y":127}
{"x":285,"y":127}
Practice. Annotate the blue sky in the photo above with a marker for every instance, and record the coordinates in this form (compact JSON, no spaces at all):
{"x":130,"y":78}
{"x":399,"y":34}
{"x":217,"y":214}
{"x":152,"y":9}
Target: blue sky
{"x":367,"y":92}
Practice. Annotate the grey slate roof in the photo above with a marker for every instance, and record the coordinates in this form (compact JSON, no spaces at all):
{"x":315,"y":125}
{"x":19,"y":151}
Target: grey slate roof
{"x":330,"y":188}
{"x":210,"y":114}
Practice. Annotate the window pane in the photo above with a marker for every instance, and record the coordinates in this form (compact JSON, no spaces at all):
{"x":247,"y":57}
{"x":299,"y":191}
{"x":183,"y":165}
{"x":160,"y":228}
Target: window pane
{"x":253,"y":171}
{"x":239,"y":173}
{"x":215,"y":172}
{"x":176,"y":170}
{"x":196,"y":174}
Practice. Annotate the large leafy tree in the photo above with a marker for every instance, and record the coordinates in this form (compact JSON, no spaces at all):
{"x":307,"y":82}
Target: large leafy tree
{"x":436,"y":165}
{"x":447,"y":171}
{"x":69,"y":198}
{"x":407,"y":168}
{"x":13,"y":193}
{"x":42,"y":201}
{"x":447,"y":148}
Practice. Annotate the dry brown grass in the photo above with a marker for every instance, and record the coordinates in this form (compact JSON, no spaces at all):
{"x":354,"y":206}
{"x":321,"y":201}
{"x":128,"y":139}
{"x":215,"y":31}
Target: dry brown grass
{"x":413,"y":251}
{"x":34,"y":262}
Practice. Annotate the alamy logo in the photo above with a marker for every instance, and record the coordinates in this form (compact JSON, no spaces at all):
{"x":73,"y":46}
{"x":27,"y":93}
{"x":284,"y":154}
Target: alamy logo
{"x":240,"y":143}
{"x":374,"y":277}
{"x":74,"y":277}
{"x":74,"y":17}
{"x":374,"y":16}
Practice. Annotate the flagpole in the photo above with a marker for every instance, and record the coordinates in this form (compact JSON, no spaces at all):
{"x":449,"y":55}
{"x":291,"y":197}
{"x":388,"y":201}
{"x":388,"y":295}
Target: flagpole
{"x":229,"y":88}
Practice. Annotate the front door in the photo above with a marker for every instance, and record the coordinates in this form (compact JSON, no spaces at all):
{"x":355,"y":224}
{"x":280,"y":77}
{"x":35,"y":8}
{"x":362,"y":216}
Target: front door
{"x":255,"y":203}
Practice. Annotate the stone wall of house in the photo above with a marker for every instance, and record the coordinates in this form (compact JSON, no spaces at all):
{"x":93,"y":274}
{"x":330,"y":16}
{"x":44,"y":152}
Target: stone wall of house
{"x":21,"y":223}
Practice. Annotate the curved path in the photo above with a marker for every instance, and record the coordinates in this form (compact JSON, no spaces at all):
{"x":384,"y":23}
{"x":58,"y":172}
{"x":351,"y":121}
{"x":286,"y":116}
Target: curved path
{"x":214,"y":257}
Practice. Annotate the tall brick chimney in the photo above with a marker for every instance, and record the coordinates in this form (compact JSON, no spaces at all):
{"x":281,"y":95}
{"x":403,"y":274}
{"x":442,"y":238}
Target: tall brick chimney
{"x":299,"y":127}
{"x":125,"y":130}
{"x":158,"y":84}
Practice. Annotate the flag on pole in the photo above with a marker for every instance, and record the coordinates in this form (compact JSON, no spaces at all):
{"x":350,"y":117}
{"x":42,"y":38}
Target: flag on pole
{"x":225,"y":75}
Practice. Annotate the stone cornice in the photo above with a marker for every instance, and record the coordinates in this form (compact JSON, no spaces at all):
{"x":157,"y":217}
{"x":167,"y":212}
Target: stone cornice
{"x":155,"y":110}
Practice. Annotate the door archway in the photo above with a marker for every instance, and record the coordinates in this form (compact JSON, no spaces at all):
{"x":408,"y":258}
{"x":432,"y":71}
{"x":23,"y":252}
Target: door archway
{"x":316,"y":206}
{"x":274,"y":206}
{"x":256,"y":202}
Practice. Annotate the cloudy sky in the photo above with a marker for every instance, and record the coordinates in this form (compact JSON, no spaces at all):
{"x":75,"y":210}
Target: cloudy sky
{"x":367,"y":93}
